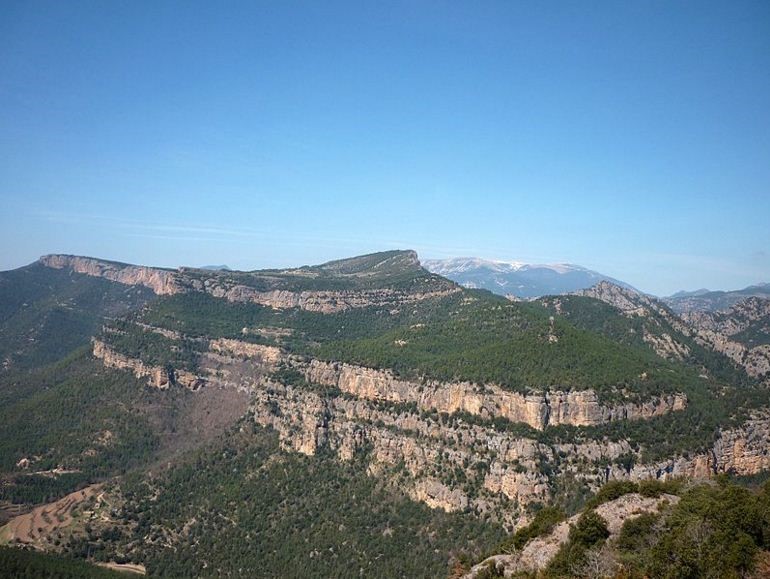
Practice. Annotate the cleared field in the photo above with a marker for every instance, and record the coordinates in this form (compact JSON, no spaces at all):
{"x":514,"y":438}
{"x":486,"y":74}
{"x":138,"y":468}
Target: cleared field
{"x":40,"y":522}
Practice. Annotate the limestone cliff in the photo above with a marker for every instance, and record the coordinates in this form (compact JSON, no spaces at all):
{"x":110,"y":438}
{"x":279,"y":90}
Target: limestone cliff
{"x":264,"y":354}
{"x":538,"y":410}
{"x":742,"y":451}
{"x":414,"y":437}
{"x":422,"y":454}
{"x":160,"y":281}
{"x":161,"y":378}
{"x":316,"y":301}
{"x":225,"y":286}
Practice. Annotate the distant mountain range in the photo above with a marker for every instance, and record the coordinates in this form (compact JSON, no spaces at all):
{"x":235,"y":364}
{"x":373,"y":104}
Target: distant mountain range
{"x":369,"y":392}
{"x":517,"y":279}
{"x":704,"y":300}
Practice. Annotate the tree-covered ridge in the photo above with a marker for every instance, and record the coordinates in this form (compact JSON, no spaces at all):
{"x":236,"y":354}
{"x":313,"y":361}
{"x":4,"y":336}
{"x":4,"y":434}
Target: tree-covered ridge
{"x":472,"y":336}
{"x":599,"y":317}
{"x":244,"y":507}
{"x":75,"y":416}
{"x":518,"y":346}
{"x":390,"y":270}
{"x":153,"y":348}
{"x":46,"y":313}
{"x":483,"y":338}
{"x":76,"y":422}
{"x":24,"y":564}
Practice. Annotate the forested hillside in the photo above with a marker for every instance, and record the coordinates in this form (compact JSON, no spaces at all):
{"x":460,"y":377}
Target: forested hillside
{"x":325,"y":420}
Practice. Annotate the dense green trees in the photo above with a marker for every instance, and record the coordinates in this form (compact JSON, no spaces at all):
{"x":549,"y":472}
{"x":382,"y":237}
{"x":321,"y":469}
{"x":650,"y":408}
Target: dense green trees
{"x":244,"y":508}
{"x":77,"y":415}
{"x":21,"y":564}
{"x":714,"y":531}
{"x":47,"y":313}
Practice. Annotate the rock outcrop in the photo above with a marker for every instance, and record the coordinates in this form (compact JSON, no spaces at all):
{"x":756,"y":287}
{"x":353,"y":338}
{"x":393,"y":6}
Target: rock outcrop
{"x":269,"y":355}
{"x":225,"y":286}
{"x":538,"y":410}
{"x":419,"y":434}
{"x":326,"y":302}
{"x":425,"y":454}
{"x":538,"y":553}
{"x":720,"y":330}
{"x":716,"y":330}
{"x":160,"y":281}
{"x":161,"y":378}
{"x":742,"y":451}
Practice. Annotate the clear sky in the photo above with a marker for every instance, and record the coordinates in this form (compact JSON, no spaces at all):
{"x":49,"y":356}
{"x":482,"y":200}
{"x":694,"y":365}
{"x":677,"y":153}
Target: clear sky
{"x":629,"y":137}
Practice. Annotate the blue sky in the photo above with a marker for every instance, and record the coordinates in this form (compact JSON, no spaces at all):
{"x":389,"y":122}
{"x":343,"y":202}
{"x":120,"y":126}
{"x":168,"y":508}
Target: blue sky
{"x":630,"y":137}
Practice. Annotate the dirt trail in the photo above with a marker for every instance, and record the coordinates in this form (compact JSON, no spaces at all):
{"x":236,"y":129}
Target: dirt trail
{"x":127,"y":567}
{"x":44,"y":520}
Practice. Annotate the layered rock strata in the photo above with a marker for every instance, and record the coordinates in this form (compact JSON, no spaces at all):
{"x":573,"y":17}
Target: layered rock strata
{"x":168,"y":282}
{"x":741,"y":451}
{"x":326,"y":302}
{"x":161,"y":378}
{"x":538,"y":410}
{"x":412,"y":434}
{"x":160,"y":281}
{"x":425,"y":453}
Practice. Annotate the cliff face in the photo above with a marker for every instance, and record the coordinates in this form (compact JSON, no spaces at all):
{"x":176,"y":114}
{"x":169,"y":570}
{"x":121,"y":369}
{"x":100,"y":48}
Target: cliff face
{"x":158,"y":377}
{"x":412,"y":436}
{"x":266,"y":355}
{"x":721,"y":331}
{"x":742,"y":451}
{"x":581,"y":408}
{"x":424,"y":456}
{"x":326,"y":302}
{"x":160,"y":281}
{"x":220,"y":285}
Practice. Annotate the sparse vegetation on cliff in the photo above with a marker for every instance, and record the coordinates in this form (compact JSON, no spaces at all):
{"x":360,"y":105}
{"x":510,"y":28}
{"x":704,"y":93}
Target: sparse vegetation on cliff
{"x":711,"y":530}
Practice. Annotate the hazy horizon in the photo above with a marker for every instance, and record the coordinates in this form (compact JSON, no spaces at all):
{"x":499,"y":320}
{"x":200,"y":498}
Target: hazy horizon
{"x":632,"y":139}
{"x":422,"y":259}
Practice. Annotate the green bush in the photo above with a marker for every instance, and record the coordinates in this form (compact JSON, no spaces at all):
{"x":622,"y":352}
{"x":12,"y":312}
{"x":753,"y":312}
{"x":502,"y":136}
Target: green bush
{"x":543,"y":523}
{"x":612,"y":490}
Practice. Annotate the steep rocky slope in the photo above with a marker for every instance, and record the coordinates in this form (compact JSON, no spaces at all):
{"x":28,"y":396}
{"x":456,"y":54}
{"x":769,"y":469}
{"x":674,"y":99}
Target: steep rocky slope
{"x":539,"y":552}
{"x":679,"y":528}
{"x":441,"y":442}
{"x":741,"y":332}
{"x":712,"y":301}
{"x":306,"y":288}
{"x":456,"y":398}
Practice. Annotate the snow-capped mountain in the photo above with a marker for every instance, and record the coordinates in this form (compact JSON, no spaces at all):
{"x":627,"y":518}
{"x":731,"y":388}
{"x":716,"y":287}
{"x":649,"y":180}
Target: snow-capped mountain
{"x":523,"y":280}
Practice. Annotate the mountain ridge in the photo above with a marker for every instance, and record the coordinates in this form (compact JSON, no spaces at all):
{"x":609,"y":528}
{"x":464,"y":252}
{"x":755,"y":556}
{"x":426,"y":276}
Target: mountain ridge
{"x":450,"y":399}
{"x":516,"y":278}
